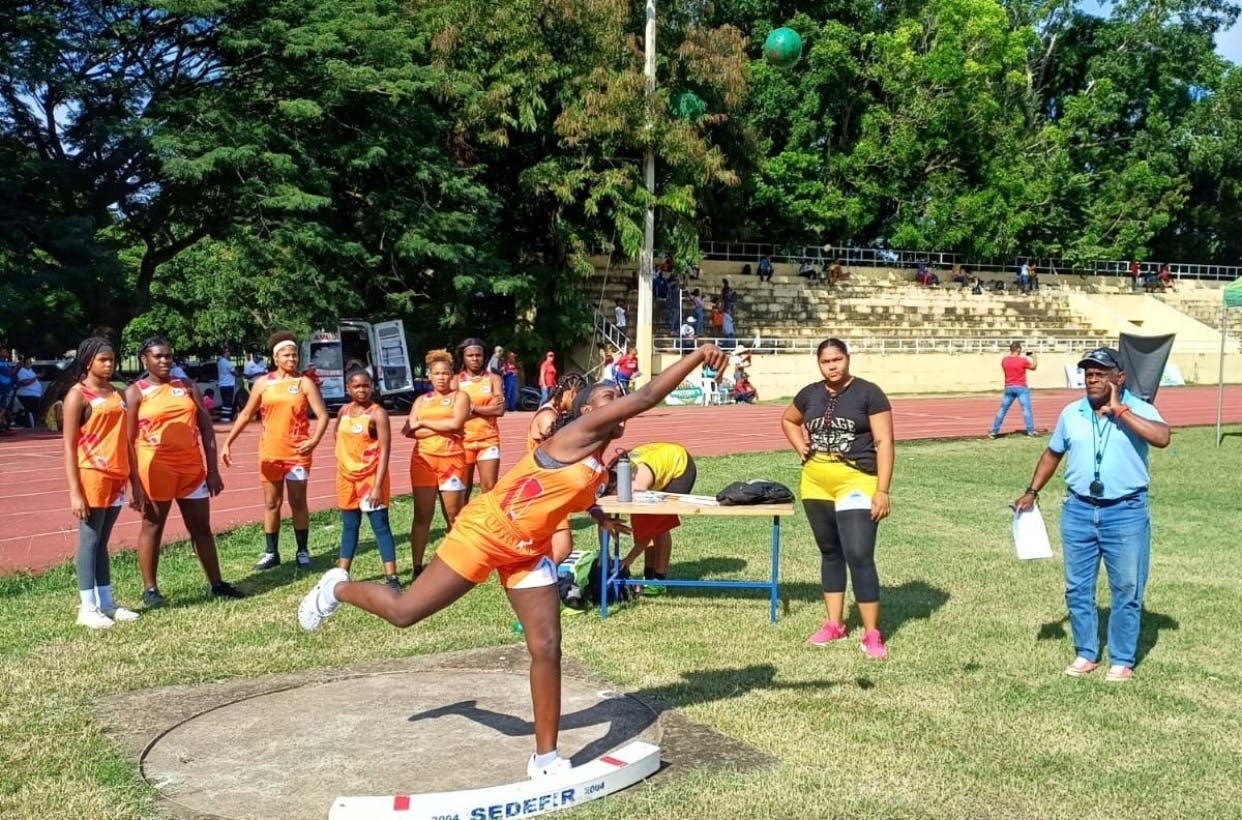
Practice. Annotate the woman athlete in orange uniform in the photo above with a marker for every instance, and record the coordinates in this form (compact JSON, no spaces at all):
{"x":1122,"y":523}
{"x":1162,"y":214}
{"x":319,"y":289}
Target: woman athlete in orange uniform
{"x":438,"y":461}
{"x":487,"y":405}
{"x":172,"y":433}
{"x":509,"y":530}
{"x":559,"y":405}
{"x":98,"y":464}
{"x":283,"y":399}
{"x":363,"y":445}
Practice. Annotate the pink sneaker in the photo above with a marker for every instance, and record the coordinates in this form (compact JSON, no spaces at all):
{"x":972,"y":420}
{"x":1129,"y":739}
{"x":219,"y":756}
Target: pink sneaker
{"x":827,"y":633}
{"x":873,"y":645}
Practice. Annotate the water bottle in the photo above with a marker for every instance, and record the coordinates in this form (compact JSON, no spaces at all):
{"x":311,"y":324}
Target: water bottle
{"x":625,"y":478}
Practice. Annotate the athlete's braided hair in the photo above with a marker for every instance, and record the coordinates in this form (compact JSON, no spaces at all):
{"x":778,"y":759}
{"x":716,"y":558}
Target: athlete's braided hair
{"x":569,"y":382}
{"x":582,"y":399}
{"x":87,"y":351}
{"x":150,"y":342}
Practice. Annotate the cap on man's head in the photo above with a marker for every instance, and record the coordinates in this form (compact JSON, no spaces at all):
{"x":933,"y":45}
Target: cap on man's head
{"x":1102,"y":358}
{"x":690,"y":319}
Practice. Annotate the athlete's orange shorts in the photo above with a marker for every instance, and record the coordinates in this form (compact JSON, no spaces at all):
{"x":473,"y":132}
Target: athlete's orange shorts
{"x":276,"y":470}
{"x":485,"y":450}
{"x":349,"y":494}
{"x":482,"y":540}
{"x":440,"y":472}
{"x":163,"y":483}
{"x":102,"y":490}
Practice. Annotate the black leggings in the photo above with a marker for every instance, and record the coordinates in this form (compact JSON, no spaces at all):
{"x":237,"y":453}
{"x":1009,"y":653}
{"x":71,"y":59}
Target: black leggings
{"x":92,"y":556}
{"x":845,"y":537}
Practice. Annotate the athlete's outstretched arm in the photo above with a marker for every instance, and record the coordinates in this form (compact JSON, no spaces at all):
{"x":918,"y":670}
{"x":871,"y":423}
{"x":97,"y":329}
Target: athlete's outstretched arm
{"x":596,"y":426}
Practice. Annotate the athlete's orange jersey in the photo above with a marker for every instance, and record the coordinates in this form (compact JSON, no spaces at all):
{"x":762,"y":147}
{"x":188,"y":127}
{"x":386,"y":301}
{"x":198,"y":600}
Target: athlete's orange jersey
{"x":481,"y":431}
{"x":168,"y":428}
{"x":435,"y":406}
{"x":283,"y":407}
{"x":102,"y":447}
{"x":534,"y":499}
{"x":357,"y":460}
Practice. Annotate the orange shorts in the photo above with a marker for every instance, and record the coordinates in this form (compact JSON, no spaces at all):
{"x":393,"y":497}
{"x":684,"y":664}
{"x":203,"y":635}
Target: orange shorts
{"x":349,"y":494}
{"x":485,"y":450}
{"x":440,"y":472}
{"x":482,"y":540}
{"x":161,"y":483}
{"x":647,"y":527}
{"x":102,"y":490}
{"x":276,"y":470}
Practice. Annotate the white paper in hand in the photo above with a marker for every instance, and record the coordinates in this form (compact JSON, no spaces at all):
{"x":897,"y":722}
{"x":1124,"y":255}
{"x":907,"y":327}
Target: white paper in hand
{"x":1030,"y":537}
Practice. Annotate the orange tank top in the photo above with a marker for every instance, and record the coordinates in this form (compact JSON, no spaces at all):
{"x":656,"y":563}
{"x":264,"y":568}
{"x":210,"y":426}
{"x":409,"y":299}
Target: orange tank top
{"x":168,"y":426}
{"x":284,"y":409}
{"x":101,"y":440}
{"x":531,"y":441}
{"x":536,"y":499}
{"x":479,"y":428}
{"x":436,"y":407}
{"x":357,"y":453}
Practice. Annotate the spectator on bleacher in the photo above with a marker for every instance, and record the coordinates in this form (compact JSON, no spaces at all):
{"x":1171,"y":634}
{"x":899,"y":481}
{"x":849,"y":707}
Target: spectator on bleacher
{"x":660,"y":286}
{"x":689,"y":332}
{"x":1024,"y":277}
{"x":696,"y":301}
{"x":1032,"y":283}
{"x":619,"y":316}
{"x":960,"y":276}
{"x":693,"y":271}
{"x":1165,"y":277}
{"x":726,"y":324}
{"x":765,"y":269}
{"x":1134,"y":270}
{"x":976,"y":286}
{"x":717,"y":320}
{"x":743,"y":391}
{"x":728,"y":296}
{"x":1014,"y":367}
{"x":627,"y":368}
{"x":837,"y":273}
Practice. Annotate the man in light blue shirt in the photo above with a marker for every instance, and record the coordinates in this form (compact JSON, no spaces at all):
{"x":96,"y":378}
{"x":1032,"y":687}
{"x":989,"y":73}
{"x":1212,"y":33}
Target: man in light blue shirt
{"x":1105,"y":516}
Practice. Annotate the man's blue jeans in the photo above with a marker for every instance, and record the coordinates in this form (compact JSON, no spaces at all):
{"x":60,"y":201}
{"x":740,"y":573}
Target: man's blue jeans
{"x":1023,"y":395}
{"x":1119,"y":534}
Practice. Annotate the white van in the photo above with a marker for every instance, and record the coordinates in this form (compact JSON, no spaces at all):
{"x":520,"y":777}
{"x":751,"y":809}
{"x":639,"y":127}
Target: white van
{"x":379,"y":347}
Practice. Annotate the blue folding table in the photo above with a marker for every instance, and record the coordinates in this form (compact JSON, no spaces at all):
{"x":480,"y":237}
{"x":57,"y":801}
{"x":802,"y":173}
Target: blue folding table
{"x":689,"y":507}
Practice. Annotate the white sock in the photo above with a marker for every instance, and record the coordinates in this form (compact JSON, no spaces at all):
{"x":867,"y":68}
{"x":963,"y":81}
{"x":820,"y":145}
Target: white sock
{"x":327,"y":595}
{"x":105,"y":597}
{"x":546,"y":760}
{"x":88,"y":599}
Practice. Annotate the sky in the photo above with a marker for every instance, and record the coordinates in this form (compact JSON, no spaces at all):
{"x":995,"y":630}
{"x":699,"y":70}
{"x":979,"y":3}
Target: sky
{"x":1228,"y":43}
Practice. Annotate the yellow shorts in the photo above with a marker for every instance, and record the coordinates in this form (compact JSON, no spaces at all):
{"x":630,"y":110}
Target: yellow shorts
{"x":439,"y":472}
{"x":482,"y":540}
{"x":829,"y":479}
{"x":349,"y":494}
{"x":102,"y":490}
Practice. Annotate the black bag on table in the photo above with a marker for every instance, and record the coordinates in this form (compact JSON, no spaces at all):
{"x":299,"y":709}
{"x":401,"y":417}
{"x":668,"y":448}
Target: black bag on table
{"x":755,"y":491}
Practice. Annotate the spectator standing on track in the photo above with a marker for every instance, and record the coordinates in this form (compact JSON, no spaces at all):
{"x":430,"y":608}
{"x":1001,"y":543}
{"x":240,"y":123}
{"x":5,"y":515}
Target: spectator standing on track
{"x":29,"y":390}
{"x":1015,"y":366}
{"x":253,"y":369}
{"x":1105,"y":515}
{"x":547,"y":376}
{"x":495,"y":365}
{"x":226,"y":380}
{"x":508,"y":375}
{"x":6,"y":388}
{"x":626,"y":369}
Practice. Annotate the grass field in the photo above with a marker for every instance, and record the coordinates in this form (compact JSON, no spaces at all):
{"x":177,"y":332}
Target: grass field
{"x":970,"y":717}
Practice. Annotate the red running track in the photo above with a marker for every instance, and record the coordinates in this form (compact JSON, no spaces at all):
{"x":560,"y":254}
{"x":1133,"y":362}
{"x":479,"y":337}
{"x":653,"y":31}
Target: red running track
{"x":37,"y":531}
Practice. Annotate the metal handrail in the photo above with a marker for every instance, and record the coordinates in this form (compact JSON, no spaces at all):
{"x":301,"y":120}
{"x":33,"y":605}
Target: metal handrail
{"x":851,"y":255}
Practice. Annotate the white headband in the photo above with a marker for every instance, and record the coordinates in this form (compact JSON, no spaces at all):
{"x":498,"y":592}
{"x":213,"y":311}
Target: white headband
{"x":286,"y":343}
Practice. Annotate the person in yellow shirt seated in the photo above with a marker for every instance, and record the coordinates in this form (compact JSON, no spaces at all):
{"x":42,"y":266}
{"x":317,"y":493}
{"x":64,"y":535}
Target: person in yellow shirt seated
{"x":658,"y":467}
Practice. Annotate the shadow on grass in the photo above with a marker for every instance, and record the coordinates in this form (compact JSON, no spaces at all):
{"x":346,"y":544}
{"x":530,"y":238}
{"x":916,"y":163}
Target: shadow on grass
{"x":702,"y":686}
{"x":1150,"y":626}
{"x":910,"y":601}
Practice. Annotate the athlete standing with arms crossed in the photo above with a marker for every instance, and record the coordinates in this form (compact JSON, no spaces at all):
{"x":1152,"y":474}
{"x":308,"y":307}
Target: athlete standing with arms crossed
{"x":487,"y":405}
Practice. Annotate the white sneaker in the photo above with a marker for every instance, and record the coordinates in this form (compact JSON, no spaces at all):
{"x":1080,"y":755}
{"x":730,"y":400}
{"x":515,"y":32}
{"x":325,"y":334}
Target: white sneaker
{"x":93,"y":619}
{"x":120,"y":613}
{"x":316,"y":605}
{"x":558,"y":766}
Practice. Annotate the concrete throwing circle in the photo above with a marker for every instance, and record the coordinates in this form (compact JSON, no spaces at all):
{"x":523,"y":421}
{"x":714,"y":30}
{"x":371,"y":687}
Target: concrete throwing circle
{"x":289,"y":753}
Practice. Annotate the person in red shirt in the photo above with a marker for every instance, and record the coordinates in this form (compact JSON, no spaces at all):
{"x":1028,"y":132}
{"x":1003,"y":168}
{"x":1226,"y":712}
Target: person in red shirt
{"x":547,"y":376}
{"x":626,"y":368}
{"x":1015,"y":366}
